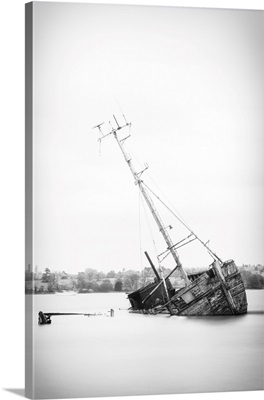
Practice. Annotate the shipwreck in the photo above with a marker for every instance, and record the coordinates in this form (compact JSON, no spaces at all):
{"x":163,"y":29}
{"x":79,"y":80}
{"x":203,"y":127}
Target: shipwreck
{"x":216,"y":290}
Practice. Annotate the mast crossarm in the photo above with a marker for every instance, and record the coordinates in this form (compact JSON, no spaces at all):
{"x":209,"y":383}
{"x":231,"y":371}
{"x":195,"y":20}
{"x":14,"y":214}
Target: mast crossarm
{"x":175,"y":245}
{"x":122,"y":140}
{"x":184,"y":244}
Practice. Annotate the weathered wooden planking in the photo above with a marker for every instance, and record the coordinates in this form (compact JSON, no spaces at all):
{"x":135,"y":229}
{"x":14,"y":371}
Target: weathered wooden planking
{"x":211,"y":293}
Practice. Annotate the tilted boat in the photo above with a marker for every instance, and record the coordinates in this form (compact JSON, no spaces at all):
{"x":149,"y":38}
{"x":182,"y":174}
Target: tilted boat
{"x":218,"y":290}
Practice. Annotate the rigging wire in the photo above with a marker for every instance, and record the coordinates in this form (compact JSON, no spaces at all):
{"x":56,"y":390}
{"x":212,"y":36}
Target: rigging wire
{"x":148,"y":224}
{"x":139,"y":226}
{"x":131,"y":154}
{"x":179,"y":216}
{"x":180,"y":219}
{"x":211,"y":253}
{"x":173,"y":213}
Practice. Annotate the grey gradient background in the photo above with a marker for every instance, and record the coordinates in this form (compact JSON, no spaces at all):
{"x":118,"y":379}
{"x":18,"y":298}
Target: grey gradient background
{"x":12,"y":167}
{"x":191,"y":83}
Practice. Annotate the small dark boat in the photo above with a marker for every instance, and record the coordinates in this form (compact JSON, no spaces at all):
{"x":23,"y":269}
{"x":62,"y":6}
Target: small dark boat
{"x":218,"y":290}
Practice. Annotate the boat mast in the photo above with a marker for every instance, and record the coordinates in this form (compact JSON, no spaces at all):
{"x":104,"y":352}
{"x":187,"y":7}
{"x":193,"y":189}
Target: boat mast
{"x":154,"y":212}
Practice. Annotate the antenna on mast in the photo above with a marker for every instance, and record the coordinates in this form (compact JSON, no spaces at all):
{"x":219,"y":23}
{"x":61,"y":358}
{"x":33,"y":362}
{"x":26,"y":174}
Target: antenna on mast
{"x":112,"y":130}
{"x":99,"y":127}
{"x":118,"y":126}
{"x":125,"y":119}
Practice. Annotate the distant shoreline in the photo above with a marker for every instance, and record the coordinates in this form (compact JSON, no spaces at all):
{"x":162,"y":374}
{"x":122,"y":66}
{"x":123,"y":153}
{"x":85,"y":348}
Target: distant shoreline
{"x":105,"y":292}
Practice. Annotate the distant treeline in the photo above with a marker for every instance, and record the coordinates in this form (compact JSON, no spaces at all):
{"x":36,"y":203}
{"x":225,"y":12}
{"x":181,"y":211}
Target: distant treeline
{"x":253,"y":276}
{"x":91,"y":280}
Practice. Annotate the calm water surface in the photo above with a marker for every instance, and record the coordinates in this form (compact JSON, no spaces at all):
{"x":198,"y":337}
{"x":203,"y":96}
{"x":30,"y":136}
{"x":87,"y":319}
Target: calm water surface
{"x":134,"y":354}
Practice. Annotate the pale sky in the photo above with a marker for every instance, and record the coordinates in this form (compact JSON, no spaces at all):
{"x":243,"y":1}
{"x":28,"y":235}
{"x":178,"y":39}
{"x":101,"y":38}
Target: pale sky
{"x":191,"y":83}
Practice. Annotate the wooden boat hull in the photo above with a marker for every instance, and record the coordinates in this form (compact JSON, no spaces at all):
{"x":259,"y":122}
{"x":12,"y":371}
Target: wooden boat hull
{"x":142,"y":300}
{"x":217,"y":291}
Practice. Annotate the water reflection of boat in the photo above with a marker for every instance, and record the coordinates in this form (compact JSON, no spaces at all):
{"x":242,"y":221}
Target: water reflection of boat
{"x":218,"y":290}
